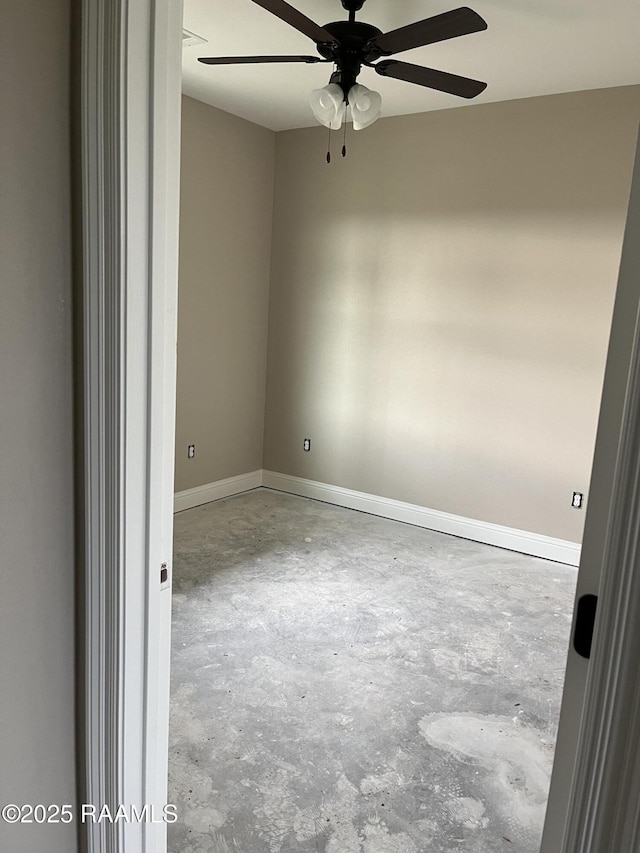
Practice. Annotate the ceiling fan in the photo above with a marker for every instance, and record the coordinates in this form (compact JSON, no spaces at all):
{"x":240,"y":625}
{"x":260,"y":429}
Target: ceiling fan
{"x":351,"y":44}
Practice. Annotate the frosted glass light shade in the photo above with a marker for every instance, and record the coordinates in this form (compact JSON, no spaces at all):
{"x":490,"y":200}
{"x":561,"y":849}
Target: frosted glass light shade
{"x":365,"y":106}
{"x":329,"y":106}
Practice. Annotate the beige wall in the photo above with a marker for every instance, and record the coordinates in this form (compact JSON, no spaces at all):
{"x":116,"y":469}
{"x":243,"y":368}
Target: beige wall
{"x":37,"y":692}
{"x":441,"y":302}
{"x":225,"y":246}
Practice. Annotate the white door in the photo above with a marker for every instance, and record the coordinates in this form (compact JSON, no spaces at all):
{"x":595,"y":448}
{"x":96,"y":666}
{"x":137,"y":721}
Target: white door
{"x":588,"y":706}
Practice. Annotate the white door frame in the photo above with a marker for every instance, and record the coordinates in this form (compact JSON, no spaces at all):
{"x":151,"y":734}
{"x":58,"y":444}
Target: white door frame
{"x":129,"y":129}
{"x":600,"y":811}
{"x":128,"y":141}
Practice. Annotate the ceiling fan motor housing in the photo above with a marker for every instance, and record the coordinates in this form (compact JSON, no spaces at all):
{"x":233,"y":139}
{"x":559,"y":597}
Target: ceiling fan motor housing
{"x":350,"y":52}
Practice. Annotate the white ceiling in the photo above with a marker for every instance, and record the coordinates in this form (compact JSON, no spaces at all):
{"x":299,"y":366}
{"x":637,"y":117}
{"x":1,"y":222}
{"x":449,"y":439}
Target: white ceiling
{"x":532,"y":47}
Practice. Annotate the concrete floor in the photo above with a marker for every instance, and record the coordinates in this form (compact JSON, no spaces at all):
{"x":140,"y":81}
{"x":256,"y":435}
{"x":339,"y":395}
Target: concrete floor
{"x":346,"y":684}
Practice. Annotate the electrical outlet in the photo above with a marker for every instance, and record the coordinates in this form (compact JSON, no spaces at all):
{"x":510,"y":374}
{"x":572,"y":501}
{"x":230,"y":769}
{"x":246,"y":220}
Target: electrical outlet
{"x":191,"y":451}
{"x":307,"y":444}
{"x":576,"y":500}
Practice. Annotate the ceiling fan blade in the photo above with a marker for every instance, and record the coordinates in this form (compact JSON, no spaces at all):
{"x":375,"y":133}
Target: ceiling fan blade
{"x":239,"y":60}
{"x":297,"y":20}
{"x":449,"y":25}
{"x":464,"y":87}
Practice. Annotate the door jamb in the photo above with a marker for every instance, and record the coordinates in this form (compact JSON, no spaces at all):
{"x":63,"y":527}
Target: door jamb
{"x":128,"y":120}
{"x":603,"y":810}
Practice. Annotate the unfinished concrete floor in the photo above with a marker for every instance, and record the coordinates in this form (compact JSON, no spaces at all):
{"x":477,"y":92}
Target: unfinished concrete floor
{"x":346,"y":684}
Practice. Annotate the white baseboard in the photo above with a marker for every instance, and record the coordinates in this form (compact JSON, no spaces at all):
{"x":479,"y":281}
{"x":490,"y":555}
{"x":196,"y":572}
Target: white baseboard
{"x":214,"y":491}
{"x":535,"y":544}
{"x":558,"y":550}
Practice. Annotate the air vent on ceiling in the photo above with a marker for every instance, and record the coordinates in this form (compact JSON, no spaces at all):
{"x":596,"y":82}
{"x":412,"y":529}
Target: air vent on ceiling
{"x":189,"y":39}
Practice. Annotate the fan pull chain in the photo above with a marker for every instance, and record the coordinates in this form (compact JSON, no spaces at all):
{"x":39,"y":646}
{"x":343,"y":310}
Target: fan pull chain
{"x":329,"y":147}
{"x":344,"y":138}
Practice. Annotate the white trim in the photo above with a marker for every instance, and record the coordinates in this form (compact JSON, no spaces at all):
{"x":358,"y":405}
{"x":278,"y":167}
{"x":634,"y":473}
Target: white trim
{"x":559,"y":550}
{"x":102,"y":187}
{"x":129,"y":139}
{"x":190,"y":498}
{"x":604,"y":804}
{"x":164,"y":205}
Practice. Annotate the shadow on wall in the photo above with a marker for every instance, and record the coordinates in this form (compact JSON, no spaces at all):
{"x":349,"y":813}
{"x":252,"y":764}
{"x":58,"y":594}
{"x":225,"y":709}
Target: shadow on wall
{"x":441,"y":301}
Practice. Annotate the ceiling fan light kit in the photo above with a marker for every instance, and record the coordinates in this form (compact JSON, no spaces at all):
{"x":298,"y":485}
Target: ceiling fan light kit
{"x":328,"y":106}
{"x":350,"y":45}
{"x":366,"y":106}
